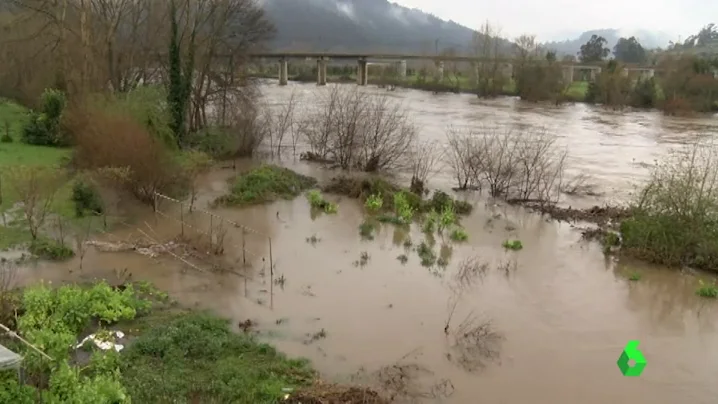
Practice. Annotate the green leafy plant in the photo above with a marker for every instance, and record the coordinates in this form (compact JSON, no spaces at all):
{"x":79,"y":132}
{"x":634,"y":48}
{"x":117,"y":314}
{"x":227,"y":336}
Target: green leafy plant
{"x":265,"y":184}
{"x":446,"y":218}
{"x":634,"y":276}
{"x":51,"y":249}
{"x":513,"y":245}
{"x":430,"y":222}
{"x":426,"y":254}
{"x":43,"y":128}
{"x":459,"y":234}
{"x":86,"y":198}
{"x":317,"y":201}
{"x":402,"y":208}
{"x":374,"y":203}
{"x":707,"y":290}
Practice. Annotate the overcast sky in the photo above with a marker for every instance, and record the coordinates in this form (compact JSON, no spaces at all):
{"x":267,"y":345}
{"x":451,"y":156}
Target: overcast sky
{"x":559,"y":19}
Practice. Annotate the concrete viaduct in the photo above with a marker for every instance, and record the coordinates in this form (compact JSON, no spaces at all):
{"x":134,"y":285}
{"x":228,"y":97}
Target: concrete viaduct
{"x":365,"y":59}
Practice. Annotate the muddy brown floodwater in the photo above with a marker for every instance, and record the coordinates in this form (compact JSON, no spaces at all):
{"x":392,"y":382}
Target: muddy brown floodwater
{"x":560,"y":312}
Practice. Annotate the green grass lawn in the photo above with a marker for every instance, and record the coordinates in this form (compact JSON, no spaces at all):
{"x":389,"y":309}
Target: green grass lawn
{"x":12,"y":120}
{"x":577,"y":91}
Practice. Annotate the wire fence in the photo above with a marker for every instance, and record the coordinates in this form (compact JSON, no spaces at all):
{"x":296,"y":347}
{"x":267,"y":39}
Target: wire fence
{"x":217,"y":237}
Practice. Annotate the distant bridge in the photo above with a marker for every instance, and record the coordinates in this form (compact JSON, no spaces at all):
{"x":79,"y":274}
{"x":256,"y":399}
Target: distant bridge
{"x":364,"y":58}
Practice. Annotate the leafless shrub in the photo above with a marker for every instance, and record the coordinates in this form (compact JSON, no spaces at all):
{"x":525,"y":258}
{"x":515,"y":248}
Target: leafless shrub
{"x":507,"y":267}
{"x":36,"y":188}
{"x":249,"y":126}
{"x":424,"y":159}
{"x":359,"y":130}
{"x":218,"y":236}
{"x":279,"y":122}
{"x":407,"y":380}
{"x":460,"y":148}
{"x":81,"y":238}
{"x":473,"y":343}
{"x":470,"y":270}
{"x":520,"y":166}
{"x":8,"y":276}
{"x":579,"y":185}
{"x":8,"y":303}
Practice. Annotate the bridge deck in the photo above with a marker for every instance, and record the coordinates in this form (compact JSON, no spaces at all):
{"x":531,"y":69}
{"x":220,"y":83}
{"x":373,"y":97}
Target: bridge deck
{"x":398,"y":57}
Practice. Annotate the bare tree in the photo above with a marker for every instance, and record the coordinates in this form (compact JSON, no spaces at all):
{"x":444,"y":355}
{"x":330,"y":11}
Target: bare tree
{"x":359,"y":130}
{"x":487,"y":46}
{"x":525,"y":166}
{"x":195,"y":164}
{"x":425,"y":157}
{"x":280,"y":121}
{"x":461,"y":152}
{"x":82,"y":237}
{"x":36,"y":187}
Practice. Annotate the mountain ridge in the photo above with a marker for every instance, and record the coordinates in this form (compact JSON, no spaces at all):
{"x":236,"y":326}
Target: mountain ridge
{"x":363,"y":25}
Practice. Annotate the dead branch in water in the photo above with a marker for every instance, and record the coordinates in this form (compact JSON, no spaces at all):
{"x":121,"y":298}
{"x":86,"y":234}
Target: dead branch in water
{"x":470,"y":270}
{"x":473,"y":343}
{"x":424,"y":161}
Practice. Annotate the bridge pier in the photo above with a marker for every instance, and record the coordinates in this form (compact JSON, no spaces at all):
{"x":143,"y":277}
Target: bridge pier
{"x":283,"y":72}
{"x":440,"y":71}
{"x":321,"y":72}
{"x":362,"y":72}
{"x":568,"y":74}
{"x":595,"y":72}
{"x":402,"y":69}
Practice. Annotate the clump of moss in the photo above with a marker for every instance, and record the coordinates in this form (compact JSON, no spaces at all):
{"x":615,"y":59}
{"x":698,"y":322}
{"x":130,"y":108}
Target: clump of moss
{"x":266,"y":183}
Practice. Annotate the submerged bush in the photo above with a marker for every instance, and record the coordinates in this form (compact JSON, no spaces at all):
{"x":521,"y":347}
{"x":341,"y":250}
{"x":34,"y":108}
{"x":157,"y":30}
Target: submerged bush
{"x":513,"y":245}
{"x":86,"y":198}
{"x":459,"y":234}
{"x":526,"y":166}
{"x":266,"y":183}
{"x":440,"y":200}
{"x":374,"y":203}
{"x":317,"y":201}
{"x":216,"y":142}
{"x":707,"y":290}
{"x":51,"y":250}
{"x":403,"y":209}
{"x":675,"y":215}
{"x":359,"y":130}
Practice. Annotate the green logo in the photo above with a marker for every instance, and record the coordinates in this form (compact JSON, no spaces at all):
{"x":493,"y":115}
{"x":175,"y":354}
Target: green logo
{"x":631,"y":353}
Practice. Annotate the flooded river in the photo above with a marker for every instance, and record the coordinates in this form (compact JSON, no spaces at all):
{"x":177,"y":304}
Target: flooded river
{"x":560,"y":311}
